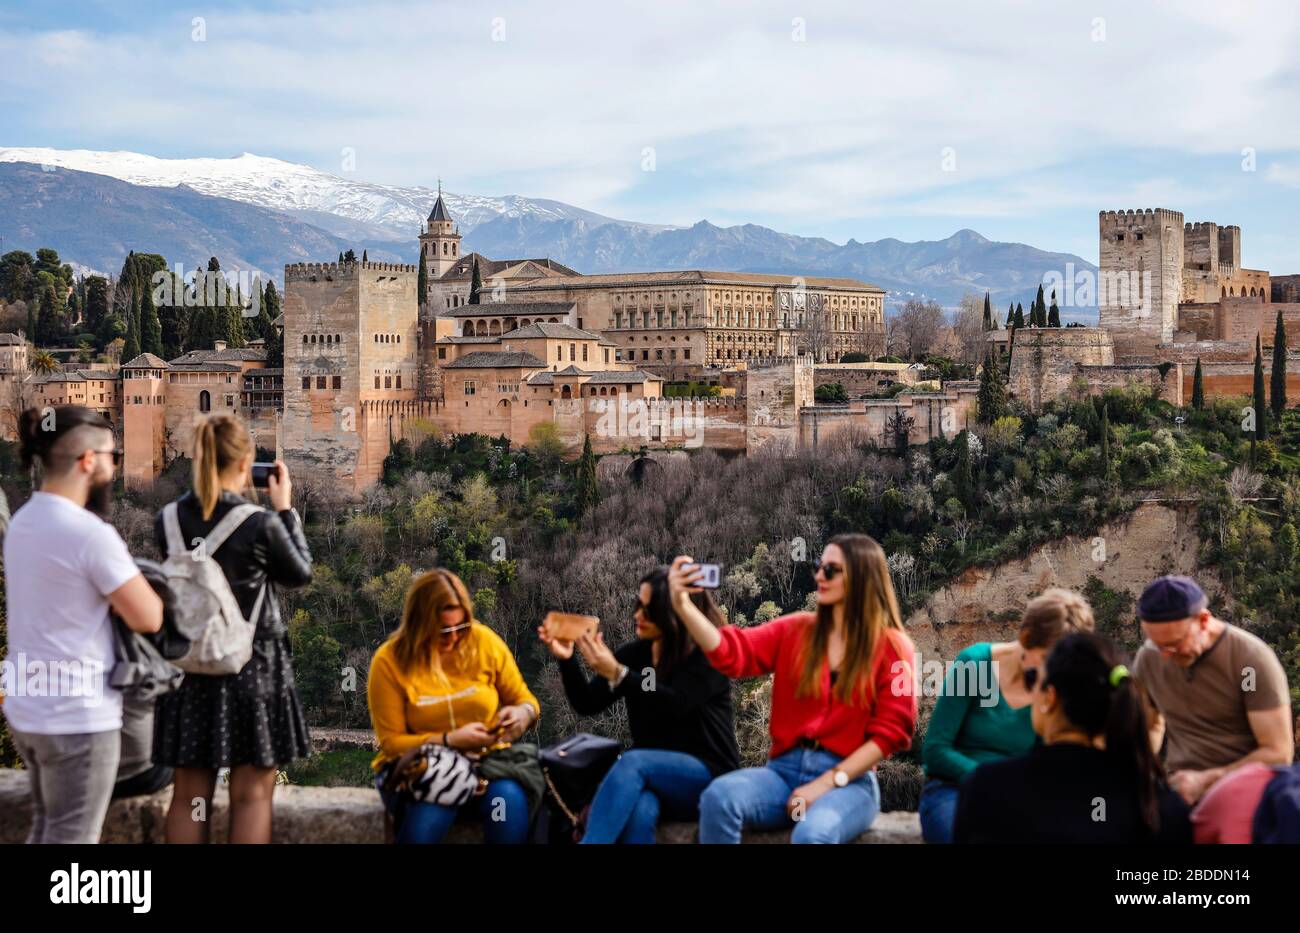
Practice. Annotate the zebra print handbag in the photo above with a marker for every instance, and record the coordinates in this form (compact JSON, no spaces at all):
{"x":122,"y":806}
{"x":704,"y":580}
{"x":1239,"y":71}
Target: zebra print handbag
{"x":433,"y":774}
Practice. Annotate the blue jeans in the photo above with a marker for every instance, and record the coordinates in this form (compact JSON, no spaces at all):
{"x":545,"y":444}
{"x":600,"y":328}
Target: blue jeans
{"x":938,"y":810}
{"x":755,"y":798}
{"x":503,"y":810}
{"x":641,"y":784}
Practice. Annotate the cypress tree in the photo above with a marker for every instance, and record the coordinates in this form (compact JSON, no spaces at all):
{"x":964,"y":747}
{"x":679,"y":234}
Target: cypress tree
{"x":586,"y":492}
{"x":132,"y":348}
{"x":1277,"y":386}
{"x":365,"y":255}
{"x":1011,"y":316}
{"x":988,"y":314}
{"x":340,"y":259}
{"x":274,"y":339}
{"x":422,"y":286}
{"x":1020,"y":315}
{"x":1054,"y":313}
{"x":476,"y":284}
{"x":1039,"y":315}
{"x":150,"y":327}
{"x":1198,"y":387}
{"x":1107,"y":468}
{"x":993,"y":392}
{"x":1261,"y":409}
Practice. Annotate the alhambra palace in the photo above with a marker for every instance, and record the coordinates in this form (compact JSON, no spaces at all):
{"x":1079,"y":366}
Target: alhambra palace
{"x":369,"y":361}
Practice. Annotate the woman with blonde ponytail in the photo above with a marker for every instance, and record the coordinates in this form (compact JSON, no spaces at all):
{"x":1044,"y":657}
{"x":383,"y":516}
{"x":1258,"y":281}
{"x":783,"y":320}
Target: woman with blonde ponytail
{"x":250,"y":722}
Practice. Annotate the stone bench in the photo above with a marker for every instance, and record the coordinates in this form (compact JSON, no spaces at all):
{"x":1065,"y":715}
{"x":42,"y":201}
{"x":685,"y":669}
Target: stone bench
{"x":337,"y":815}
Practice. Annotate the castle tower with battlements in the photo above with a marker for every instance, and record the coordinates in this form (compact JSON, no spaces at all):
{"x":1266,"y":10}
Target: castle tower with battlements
{"x":351,"y":363}
{"x":1141,"y":278}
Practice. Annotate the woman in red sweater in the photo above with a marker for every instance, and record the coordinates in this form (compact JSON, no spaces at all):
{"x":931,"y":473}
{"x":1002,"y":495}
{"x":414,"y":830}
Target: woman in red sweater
{"x":843,"y":700}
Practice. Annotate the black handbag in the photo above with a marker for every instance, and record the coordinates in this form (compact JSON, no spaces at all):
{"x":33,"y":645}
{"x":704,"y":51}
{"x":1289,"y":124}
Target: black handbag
{"x":573,"y":770}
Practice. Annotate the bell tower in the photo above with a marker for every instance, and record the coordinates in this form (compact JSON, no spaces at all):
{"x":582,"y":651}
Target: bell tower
{"x":440,"y":241}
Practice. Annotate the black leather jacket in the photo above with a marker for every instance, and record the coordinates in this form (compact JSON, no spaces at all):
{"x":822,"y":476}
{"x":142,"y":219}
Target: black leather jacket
{"x":267,"y":546}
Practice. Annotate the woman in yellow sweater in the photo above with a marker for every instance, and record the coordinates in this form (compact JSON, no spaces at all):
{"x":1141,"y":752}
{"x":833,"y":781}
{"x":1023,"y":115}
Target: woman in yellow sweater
{"x":444,"y":677}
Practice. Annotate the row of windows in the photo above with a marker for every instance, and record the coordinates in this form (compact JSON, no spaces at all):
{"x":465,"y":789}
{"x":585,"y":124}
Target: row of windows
{"x":321,"y":338}
{"x":388,"y":338}
{"x":629,"y":355}
{"x":336,"y":382}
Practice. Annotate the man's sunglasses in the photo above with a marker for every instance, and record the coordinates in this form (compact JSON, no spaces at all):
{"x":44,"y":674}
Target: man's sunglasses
{"x":828,"y":570}
{"x":116,"y":452}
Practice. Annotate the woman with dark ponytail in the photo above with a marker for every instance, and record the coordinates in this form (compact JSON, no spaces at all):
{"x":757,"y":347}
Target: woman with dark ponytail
{"x":1094,"y":778}
{"x":250,"y":722}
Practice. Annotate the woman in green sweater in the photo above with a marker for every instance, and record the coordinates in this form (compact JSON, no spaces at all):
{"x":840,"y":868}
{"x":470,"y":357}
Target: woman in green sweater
{"x":983,"y":713}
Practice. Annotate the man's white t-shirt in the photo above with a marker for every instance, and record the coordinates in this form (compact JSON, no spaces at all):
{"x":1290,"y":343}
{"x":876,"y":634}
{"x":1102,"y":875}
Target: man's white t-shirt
{"x":61,"y":562}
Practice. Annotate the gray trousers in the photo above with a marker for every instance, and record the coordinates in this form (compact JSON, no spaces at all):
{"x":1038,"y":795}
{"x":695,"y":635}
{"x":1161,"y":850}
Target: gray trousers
{"x":72,"y":782}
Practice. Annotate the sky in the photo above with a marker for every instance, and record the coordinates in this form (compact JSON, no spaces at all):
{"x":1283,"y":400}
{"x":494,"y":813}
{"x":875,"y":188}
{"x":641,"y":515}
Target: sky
{"x":846,"y":120}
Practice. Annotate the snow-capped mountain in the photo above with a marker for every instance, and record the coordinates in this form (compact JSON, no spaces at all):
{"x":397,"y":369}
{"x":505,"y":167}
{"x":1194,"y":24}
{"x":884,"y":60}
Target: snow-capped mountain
{"x":312,"y":194}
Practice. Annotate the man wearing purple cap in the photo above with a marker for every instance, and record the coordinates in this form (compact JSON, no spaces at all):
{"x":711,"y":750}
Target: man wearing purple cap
{"x":1220,"y":692}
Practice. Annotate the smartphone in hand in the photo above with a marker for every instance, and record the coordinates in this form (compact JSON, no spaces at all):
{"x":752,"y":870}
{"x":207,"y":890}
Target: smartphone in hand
{"x":262,"y":473}
{"x":712,"y":578}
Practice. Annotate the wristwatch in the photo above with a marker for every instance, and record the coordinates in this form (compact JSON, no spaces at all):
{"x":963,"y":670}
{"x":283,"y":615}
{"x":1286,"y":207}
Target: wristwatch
{"x":617,"y":678}
{"x":840,"y":777}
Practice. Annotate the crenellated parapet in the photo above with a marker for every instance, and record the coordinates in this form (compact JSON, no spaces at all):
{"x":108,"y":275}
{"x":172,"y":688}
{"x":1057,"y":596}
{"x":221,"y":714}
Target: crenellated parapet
{"x":314,"y":271}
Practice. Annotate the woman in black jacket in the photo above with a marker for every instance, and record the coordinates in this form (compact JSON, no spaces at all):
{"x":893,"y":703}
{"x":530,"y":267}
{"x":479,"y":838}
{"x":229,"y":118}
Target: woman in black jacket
{"x":252,"y":721}
{"x":1093,"y":779}
{"x":678,"y":711}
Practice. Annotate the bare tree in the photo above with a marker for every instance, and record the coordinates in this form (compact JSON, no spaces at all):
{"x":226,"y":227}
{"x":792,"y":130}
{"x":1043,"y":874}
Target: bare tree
{"x":918,"y":326}
{"x":968,"y":329}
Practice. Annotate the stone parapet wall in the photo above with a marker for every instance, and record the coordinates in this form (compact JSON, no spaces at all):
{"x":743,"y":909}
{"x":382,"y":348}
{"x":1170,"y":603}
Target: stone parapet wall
{"x":337,"y":815}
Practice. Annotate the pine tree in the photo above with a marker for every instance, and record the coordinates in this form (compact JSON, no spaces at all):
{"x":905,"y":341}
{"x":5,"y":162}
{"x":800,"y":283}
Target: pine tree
{"x":1198,"y":387}
{"x":476,"y":284}
{"x":1277,"y":387}
{"x":587,"y":491}
{"x":132,"y":348}
{"x":1261,"y":408}
{"x":993,"y":391}
{"x":350,"y":256}
{"x":1107,"y":468}
{"x":150,"y":327}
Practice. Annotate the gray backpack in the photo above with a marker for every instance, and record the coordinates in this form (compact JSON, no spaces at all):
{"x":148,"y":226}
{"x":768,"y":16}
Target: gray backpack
{"x":206,"y":611}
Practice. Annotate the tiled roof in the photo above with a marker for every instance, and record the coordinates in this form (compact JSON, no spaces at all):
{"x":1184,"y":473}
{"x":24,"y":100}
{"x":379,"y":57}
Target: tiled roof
{"x":146,"y":361}
{"x":511,"y":308}
{"x":439,"y":211}
{"x":693,"y":277}
{"x":614,"y":376}
{"x":201,"y":367}
{"x":489,"y":268}
{"x":545,"y":329}
{"x":244,"y":354}
{"x":487,"y":359}
{"x":457,"y":339}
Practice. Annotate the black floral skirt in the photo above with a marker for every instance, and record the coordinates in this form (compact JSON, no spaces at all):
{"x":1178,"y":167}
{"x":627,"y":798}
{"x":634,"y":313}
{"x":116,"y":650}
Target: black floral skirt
{"x":250,"y":718}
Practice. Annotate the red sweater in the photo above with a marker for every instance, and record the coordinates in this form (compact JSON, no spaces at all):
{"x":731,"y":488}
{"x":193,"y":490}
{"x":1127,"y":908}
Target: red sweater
{"x":774,"y":648}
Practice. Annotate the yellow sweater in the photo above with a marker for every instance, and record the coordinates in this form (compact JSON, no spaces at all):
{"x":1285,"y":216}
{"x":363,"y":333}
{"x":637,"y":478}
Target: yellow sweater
{"x":408,"y":707}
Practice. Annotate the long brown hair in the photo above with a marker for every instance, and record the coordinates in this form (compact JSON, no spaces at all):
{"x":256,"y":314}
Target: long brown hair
{"x":415,"y":643}
{"x":219,"y":441}
{"x":870,"y":614}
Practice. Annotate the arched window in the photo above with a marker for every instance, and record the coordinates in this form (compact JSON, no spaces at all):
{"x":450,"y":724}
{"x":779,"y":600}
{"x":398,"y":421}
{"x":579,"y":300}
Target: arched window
{"x":205,"y":401}
{"x":565,"y":392}
{"x":304,"y":338}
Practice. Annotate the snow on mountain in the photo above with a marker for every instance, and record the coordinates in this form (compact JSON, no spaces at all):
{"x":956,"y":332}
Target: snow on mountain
{"x":294,"y":188}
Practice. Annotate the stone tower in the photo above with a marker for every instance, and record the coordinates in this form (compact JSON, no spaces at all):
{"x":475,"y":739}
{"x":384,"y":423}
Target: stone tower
{"x":1141,"y":278}
{"x":440,"y":241}
{"x":351,"y":365}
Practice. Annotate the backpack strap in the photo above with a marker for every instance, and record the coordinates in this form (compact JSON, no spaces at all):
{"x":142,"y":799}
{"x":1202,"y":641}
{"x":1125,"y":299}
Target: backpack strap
{"x":172,"y":527}
{"x":227,"y":526}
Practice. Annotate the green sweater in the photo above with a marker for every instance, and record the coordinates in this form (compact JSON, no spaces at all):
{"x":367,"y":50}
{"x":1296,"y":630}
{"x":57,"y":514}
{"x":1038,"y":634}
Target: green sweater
{"x":967,"y":728}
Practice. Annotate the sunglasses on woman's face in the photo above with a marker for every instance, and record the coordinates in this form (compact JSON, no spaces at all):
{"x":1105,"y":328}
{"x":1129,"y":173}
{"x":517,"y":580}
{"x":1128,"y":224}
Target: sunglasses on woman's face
{"x":638,"y":606}
{"x":826,"y":569}
{"x":1032,"y":677}
{"x":453,"y":629}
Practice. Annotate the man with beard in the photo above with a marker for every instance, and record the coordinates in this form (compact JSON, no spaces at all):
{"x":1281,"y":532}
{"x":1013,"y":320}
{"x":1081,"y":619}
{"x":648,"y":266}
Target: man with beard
{"x":65,"y":567}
